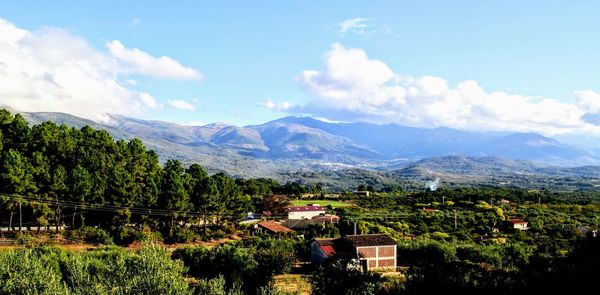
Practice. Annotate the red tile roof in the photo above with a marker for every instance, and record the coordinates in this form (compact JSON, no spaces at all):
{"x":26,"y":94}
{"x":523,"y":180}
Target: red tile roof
{"x":327,"y":217}
{"x":517,"y":221}
{"x":275,"y":227}
{"x":304,"y":208}
{"x":328,"y":250}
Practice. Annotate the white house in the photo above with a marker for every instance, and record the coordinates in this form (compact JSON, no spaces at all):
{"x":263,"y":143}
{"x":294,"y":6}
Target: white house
{"x":304,"y":212}
{"x":519,"y":224}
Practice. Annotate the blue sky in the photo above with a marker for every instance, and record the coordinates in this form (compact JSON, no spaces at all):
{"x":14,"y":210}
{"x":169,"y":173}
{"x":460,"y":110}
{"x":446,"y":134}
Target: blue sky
{"x":252,"y":57}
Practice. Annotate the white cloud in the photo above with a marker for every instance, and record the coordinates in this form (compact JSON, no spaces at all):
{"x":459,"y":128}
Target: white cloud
{"x":356,"y":25}
{"x":362,"y":28}
{"x":281,"y":106}
{"x":588,"y":100}
{"x":181,"y":104}
{"x":148,"y":100}
{"x":54,"y":70}
{"x":354,"y":87}
{"x":143,"y":63}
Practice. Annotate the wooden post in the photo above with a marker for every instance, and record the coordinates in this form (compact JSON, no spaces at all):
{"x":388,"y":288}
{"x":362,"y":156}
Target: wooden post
{"x":57,"y":214}
{"x":74,"y":213}
{"x":10,"y":221}
{"x":20,"y":217}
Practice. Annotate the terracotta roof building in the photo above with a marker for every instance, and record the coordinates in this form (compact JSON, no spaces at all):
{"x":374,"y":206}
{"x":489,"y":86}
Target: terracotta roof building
{"x":304,"y":212}
{"x":326,"y":218}
{"x":373,"y":251}
{"x":273,"y":227}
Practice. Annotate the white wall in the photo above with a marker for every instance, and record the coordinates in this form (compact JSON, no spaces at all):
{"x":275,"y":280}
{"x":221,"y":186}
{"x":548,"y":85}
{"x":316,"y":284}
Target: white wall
{"x":305,"y":214}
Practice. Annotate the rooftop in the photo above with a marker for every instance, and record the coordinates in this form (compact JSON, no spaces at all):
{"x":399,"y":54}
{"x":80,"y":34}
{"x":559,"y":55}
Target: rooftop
{"x":325,"y":242}
{"x":370,"y":240}
{"x":304,"y":208}
{"x":275,"y":227}
{"x":326,"y":217}
{"x":328,"y":250}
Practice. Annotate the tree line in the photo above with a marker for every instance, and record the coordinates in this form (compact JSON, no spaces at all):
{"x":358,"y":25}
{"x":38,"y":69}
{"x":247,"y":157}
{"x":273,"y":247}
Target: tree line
{"x":54,"y":174}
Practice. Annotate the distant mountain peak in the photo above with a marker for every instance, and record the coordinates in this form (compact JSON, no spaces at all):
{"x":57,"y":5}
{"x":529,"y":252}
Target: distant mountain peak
{"x":305,"y":139}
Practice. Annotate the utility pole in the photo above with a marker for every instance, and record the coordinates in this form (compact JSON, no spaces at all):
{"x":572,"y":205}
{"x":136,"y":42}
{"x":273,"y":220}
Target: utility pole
{"x":455,"y":220}
{"x":354,"y":227}
{"x":57,"y":217}
{"x":20,"y":217}
{"x":74,"y":213}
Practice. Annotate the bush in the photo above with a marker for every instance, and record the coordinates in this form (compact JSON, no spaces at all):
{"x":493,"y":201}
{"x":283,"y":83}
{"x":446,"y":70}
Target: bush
{"x":251,"y":263}
{"x":339,"y":275}
{"x":129,"y":235}
{"x":25,"y":271}
{"x":216,"y":286}
{"x":91,"y":235}
{"x":182,"y":235}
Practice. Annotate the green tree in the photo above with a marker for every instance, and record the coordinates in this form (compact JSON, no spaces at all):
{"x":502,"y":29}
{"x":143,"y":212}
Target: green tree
{"x":173,"y":194}
{"x":16,"y":179}
{"x":203,"y":191}
{"x":80,"y":186}
{"x":58,"y":188}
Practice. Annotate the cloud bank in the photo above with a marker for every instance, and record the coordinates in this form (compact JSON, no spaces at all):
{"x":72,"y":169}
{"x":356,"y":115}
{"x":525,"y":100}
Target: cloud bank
{"x":143,"y":63}
{"x":353,"y":87}
{"x":52,"y":70}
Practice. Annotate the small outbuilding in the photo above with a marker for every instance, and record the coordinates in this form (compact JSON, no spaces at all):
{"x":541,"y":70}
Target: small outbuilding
{"x":272,"y":227}
{"x":375,"y":252}
{"x":304,"y":212}
{"x":517,"y":223}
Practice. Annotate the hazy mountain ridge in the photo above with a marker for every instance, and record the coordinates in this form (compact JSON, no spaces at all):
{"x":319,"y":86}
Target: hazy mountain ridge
{"x":289,"y":144}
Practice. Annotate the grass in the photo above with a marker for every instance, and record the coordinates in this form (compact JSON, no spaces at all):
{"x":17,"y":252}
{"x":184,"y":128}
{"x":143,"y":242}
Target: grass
{"x":334,"y":204}
{"x":293,"y":283}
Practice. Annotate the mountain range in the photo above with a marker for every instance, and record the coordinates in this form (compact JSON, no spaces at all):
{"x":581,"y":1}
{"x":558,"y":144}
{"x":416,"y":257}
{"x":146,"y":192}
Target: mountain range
{"x":292,"y":145}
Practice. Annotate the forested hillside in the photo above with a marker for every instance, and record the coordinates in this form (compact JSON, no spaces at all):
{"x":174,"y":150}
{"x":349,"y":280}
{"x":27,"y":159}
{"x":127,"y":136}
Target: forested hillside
{"x":54,"y":174}
{"x":68,"y":186}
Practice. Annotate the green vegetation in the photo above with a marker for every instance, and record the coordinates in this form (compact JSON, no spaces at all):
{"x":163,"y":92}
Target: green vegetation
{"x":116,"y":192}
{"x":118,"y":271}
{"x":106,"y":271}
{"x":463,"y":244}
{"x":250,"y":265}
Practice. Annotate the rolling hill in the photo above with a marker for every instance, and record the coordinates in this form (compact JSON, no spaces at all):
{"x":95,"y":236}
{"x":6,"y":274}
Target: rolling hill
{"x":290,"y":148}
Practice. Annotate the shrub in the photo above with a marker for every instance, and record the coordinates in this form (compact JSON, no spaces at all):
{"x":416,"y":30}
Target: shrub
{"x":339,"y":275}
{"x":216,"y":286}
{"x":182,"y":235}
{"x":25,"y":271}
{"x":91,"y":234}
{"x":129,"y":235}
{"x":117,"y":271}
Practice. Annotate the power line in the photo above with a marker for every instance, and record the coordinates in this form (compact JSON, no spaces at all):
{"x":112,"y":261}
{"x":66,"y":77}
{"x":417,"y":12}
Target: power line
{"x":119,"y":209}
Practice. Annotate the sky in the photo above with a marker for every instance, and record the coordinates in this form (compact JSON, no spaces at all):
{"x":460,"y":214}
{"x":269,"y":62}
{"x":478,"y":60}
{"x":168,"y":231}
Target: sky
{"x":527,"y":66}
